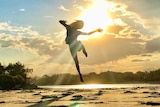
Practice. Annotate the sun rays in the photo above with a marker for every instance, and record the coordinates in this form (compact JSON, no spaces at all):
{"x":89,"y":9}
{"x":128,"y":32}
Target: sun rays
{"x":96,"y":16}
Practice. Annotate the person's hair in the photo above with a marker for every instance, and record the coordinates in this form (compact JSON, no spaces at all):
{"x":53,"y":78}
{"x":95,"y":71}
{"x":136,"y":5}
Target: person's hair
{"x":78,"y":24}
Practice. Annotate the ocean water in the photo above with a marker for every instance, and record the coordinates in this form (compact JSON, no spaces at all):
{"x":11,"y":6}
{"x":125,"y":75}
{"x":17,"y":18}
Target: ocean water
{"x":96,"y":86}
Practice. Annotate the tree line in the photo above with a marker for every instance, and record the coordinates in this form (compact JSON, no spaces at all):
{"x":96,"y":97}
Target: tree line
{"x":103,"y":78}
{"x":15,"y":76}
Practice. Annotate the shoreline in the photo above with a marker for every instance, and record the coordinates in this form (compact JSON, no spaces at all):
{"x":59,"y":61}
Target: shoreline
{"x":98,"y":86}
{"x":138,"y":96}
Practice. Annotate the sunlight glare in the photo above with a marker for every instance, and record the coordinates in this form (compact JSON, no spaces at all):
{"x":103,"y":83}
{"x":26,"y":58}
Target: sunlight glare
{"x":92,"y":86}
{"x":96,"y":16}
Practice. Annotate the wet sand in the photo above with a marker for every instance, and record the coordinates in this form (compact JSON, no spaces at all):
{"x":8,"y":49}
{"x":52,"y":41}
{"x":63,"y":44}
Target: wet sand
{"x":100,"y":97}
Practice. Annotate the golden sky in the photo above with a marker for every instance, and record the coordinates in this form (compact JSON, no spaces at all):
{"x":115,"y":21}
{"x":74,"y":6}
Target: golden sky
{"x":130,"y":41}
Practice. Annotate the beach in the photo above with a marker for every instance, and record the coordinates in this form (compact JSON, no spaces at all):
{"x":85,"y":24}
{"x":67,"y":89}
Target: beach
{"x":134,"y":96}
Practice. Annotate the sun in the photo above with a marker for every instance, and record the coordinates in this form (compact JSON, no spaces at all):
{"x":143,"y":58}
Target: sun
{"x":96,"y":16}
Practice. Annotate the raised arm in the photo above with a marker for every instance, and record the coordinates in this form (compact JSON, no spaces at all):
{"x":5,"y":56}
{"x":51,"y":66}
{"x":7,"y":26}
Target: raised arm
{"x":96,"y":30}
{"x":63,"y":22}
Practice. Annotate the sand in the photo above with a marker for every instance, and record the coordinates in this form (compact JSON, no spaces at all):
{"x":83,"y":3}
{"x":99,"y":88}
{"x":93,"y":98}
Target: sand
{"x":101,"y":97}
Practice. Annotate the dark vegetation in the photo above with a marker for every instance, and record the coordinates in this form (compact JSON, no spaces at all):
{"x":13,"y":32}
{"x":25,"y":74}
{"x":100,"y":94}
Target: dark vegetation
{"x":103,"y":78}
{"x":15,"y":76}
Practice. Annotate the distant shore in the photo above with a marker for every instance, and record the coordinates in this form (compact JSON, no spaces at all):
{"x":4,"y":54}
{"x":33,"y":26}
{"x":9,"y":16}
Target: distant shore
{"x":108,"y":77}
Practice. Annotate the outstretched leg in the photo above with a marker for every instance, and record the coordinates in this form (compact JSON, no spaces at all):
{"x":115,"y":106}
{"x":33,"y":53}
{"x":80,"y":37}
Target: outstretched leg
{"x":74,"y":55}
{"x":78,"y":68}
{"x":85,"y":52}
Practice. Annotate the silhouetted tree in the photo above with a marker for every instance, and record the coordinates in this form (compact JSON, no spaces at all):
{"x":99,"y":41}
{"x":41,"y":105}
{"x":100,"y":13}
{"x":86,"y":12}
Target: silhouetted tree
{"x":18,"y":69}
{"x":103,"y":77}
{"x":14,"y":76}
{"x":2,"y":69}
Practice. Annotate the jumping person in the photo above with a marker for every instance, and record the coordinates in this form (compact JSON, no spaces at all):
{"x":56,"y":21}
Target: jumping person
{"x":74,"y":44}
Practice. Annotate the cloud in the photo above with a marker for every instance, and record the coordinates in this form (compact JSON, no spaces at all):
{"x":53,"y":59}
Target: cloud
{"x":24,"y":38}
{"x":130,"y":18}
{"x":131,"y":63}
{"x":80,"y":8}
{"x":47,"y":49}
{"x":43,"y":47}
{"x":109,"y":48}
{"x":22,"y":10}
{"x":144,"y":8}
{"x":139,"y":60}
{"x":61,"y":7}
{"x":17,"y":30}
{"x":153,"y":45}
{"x":88,"y":0}
{"x":139,"y":15}
{"x":49,"y":17}
{"x":146,"y":55}
{"x":116,"y":29}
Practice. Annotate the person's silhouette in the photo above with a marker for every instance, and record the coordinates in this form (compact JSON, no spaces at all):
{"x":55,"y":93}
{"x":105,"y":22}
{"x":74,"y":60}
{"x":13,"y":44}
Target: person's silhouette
{"x":75,"y":45}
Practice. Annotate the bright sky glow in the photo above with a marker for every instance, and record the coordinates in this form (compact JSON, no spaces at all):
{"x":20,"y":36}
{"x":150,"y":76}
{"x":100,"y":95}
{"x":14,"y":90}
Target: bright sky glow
{"x":96,"y":16}
{"x":30,"y":33}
